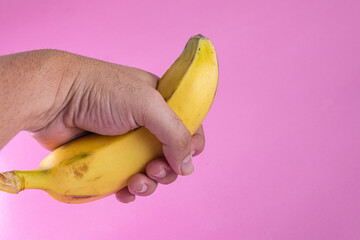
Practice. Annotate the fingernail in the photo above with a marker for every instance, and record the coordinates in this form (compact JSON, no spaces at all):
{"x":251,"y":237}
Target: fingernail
{"x":143,"y":189}
{"x":161,"y":174}
{"x":187,"y":166}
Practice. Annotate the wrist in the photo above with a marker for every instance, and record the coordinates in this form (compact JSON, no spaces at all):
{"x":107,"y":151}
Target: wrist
{"x":49,"y":84}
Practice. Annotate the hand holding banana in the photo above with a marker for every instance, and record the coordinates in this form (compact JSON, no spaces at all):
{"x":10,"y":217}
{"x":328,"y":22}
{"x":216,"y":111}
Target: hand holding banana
{"x":161,"y":123}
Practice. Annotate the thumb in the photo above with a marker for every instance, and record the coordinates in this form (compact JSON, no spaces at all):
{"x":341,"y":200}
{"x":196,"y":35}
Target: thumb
{"x":161,"y":120}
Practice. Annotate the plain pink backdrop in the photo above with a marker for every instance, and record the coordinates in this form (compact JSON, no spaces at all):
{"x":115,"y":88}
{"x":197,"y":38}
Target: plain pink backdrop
{"x":282,"y":158}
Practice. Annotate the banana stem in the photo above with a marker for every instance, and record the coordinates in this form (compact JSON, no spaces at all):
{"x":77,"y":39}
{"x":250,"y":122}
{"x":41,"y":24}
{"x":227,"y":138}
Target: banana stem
{"x":10,"y":182}
{"x":33,"y":179}
{"x":16,"y":181}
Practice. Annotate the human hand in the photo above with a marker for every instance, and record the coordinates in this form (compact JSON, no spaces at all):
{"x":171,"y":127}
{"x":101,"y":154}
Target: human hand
{"x":89,"y":95}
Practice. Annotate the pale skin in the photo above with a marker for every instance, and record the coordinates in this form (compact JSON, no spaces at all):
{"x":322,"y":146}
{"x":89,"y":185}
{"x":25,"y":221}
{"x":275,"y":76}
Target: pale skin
{"x":57,"y":96}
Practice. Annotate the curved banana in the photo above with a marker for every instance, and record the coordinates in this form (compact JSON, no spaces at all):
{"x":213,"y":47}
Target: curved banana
{"x":95,"y":166}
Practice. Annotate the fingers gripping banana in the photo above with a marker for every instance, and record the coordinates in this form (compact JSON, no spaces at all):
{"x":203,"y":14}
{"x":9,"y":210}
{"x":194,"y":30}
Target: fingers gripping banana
{"x":94,"y":166}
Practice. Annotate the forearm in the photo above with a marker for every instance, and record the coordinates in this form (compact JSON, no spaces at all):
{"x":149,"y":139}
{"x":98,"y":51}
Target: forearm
{"x":32,"y":85}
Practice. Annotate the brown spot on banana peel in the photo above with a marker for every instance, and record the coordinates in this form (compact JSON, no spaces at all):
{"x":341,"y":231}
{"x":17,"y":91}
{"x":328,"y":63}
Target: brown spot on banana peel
{"x":78,"y":174}
{"x":96,"y":178}
{"x":80,"y":171}
{"x":84,"y":168}
{"x":76,"y":199}
{"x":84,"y":198}
{"x":79,"y":197}
{"x":78,"y":168}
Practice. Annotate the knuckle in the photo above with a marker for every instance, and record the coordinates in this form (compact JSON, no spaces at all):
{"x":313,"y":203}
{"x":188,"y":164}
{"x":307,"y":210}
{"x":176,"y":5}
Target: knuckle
{"x":150,"y":79}
{"x":145,"y":77}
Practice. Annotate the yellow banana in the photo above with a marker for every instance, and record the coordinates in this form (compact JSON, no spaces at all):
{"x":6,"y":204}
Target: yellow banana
{"x":94,"y":166}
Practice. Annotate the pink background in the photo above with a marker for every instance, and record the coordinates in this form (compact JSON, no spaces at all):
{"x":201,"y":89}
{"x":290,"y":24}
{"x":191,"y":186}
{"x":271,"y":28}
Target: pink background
{"x":282,"y":159}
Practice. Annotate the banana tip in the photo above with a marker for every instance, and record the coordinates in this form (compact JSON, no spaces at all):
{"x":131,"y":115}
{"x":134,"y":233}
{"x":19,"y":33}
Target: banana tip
{"x":199,"y":36}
